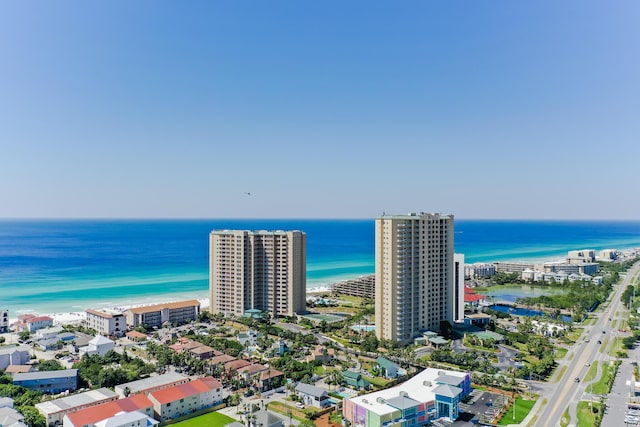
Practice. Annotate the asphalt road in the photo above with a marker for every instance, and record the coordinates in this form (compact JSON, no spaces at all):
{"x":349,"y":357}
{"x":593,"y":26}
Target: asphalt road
{"x":568,"y":392}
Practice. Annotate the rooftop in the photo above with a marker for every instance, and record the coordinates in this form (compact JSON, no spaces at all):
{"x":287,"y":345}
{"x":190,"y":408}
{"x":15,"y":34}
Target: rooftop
{"x":153,"y":382}
{"x":105,"y":313}
{"x":64,"y":373}
{"x":182,"y":391}
{"x":420,"y":388}
{"x":75,"y":400}
{"x":107,"y":410}
{"x":170,"y":306}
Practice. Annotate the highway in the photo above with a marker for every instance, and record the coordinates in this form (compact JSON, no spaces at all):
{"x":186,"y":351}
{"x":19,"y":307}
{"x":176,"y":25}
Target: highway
{"x":568,"y":392}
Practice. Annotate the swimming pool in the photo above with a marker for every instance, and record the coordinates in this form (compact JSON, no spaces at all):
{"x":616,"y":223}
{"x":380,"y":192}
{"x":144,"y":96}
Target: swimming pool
{"x":366,"y":328}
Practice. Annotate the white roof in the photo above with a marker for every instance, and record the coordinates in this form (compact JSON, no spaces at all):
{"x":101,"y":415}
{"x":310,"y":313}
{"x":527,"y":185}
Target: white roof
{"x":152,"y":382}
{"x":75,"y":400}
{"x":8,"y":349}
{"x":419,"y":388}
{"x":127,"y":418}
{"x":100,"y":340}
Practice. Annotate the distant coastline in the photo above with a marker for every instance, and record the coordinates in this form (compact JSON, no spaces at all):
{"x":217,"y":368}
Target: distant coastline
{"x":65,"y":266}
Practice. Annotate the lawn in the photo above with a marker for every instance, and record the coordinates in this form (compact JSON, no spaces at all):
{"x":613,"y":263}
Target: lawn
{"x":603,"y":345}
{"x":522,"y":409}
{"x":211,"y":419}
{"x":585,"y":416}
{"x":561,"y":352}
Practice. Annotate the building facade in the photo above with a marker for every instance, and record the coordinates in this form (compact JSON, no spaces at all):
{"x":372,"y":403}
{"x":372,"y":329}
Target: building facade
{"x":51,"y":382}
{"x":187,"y":398}
{"x":55,"y":410}
{"x":4,"y":321}
{"x":106,"y":322}
{"x":414,"y":275}
{"x":263,"y":270}
{"x":175,"y":313}
{"x":429,"y":395}
{"x":12,"y":355}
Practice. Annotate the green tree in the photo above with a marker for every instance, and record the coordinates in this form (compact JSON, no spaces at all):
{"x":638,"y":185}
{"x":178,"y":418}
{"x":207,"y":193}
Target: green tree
{"x":32,"y":417}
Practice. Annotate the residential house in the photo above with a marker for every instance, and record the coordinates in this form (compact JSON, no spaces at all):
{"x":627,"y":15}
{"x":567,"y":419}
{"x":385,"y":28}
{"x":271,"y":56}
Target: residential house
{"x":12,"y":355}
{"x":18,"y":369}
{"x":55,"y":410}
{"x":186,"y":399}
{"x":312,"y":395}
{"x":136,"y":336}
{"x":48,"y":381}
{"x":266,"y":418}
{"x":270,"y":379}
{"x":39,"y":322}
{"x":249,"y":338}
{"x":9,"y":417}
{"x":99,"y":345}
{"x":93,"y":416}
{"x":322,"y":354}
{"x":388,"y":369}
{"x":355,"y":380}
{"x":6,"y":402}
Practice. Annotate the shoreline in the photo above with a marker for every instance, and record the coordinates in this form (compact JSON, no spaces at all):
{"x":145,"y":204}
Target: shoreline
{"x":73,"y":315}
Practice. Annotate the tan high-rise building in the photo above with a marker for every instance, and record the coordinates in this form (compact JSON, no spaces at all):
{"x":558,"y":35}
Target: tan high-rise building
{"x":264,"y":270}
{"x":414,"y":274}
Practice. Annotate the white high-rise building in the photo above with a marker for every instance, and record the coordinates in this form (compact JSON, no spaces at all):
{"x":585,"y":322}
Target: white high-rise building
{"x":458,"y":283}
{"x":414,"y":274}
{"x":264,"y":270}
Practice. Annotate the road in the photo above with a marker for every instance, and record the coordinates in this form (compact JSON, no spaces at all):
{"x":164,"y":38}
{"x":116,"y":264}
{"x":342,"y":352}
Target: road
{"x":568,"y":392}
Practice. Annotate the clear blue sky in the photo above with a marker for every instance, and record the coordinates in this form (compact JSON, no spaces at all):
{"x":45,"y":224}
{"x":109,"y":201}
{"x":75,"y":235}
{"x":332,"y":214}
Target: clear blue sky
{"x":338,"y":109}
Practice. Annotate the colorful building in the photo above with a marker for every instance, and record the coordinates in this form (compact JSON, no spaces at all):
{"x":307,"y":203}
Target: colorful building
{"x":429,"y":395}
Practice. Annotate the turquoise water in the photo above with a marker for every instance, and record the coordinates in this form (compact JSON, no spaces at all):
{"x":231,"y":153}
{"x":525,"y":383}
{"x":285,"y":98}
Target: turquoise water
{"x":50,"y":266}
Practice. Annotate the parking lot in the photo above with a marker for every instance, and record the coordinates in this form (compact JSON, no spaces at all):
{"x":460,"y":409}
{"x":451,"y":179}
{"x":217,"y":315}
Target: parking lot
{"x":480,"y":407}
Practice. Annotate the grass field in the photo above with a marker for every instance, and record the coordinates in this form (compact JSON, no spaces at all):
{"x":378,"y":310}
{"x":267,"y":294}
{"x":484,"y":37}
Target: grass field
{"x":212,"y":419}
{"x":585,"y":415}
{"x":591,"y":373}
{"x":522,"y":409}
{"x":561,"y":352}
{"x":601,"y":386}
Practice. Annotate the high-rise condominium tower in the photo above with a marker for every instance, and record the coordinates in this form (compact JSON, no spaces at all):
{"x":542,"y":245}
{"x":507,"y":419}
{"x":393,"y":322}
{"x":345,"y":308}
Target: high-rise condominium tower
{"x":414,"y":274}
{"x":264,"y":270}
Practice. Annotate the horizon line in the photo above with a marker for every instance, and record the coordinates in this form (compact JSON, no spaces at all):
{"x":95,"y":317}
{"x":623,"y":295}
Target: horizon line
{"x":141,"y":218}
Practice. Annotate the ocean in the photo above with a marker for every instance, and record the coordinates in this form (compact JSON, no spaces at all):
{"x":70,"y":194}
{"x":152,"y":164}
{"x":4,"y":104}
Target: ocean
{"x":53,"y":266}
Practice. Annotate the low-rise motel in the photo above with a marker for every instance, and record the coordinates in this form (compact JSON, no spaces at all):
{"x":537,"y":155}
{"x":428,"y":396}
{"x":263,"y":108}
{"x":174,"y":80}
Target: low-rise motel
{"x":429,"y":395}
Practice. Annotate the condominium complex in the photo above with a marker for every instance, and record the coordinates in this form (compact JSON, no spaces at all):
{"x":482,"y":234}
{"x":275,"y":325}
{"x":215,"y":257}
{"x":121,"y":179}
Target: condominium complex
{"x":175,"y":313}
{"x":106,"y":322}
{"x":263,"y":270}
{"x":414,"y":274}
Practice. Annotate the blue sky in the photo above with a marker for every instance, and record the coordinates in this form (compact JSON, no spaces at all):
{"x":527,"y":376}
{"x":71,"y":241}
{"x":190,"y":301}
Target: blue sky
{"x":338,"y":109}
